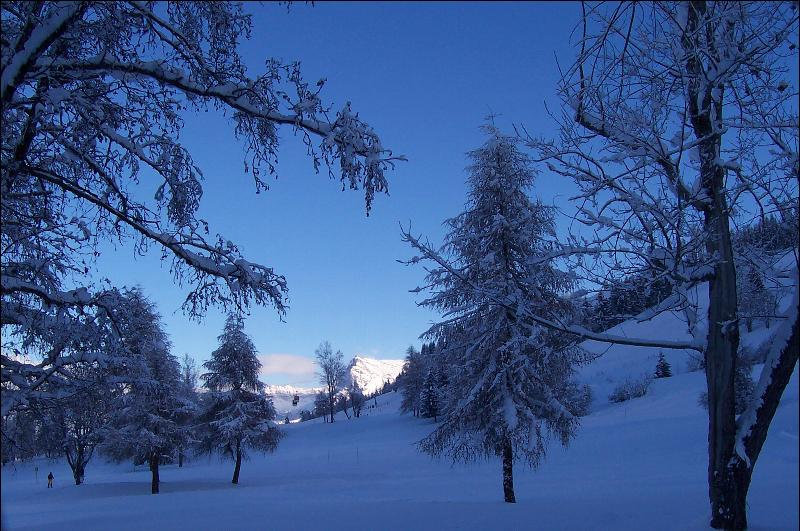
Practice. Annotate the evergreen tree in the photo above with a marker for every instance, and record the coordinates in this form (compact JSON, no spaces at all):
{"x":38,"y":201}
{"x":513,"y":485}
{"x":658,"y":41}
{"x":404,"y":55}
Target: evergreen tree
{"x":756,"y":301}
{"x":188,"y":390}
{"x":509,"y":389}
{"x":429,"y":397}
{"x":412,"y":380}
{"x":663,"y":369}
{"x":237,"y":412}
{"x":144,"y":422}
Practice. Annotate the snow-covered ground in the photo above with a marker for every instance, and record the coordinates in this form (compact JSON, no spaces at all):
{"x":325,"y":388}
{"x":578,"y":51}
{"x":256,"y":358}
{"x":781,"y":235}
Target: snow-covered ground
{"x":636,"y":465}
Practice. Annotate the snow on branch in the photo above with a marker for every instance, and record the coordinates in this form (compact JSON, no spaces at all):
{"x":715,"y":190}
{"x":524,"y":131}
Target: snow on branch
{"x":427,"y":253}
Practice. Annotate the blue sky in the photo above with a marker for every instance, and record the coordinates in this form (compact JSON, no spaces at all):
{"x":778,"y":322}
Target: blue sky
{"x":424,"y":75}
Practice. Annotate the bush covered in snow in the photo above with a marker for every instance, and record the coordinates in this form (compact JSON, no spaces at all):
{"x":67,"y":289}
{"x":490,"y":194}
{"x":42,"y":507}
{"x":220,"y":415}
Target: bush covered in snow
{"x":630,"y":389}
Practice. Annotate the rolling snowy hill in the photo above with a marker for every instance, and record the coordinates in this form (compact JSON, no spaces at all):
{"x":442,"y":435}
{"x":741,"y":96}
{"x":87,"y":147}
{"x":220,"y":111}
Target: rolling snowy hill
{"x":640,"y":464}
{"x":618,"y":362}
{"x":636,"y":465}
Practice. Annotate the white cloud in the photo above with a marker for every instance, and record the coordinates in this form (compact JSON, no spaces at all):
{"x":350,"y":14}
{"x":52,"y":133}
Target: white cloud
{"x":288,"y":364}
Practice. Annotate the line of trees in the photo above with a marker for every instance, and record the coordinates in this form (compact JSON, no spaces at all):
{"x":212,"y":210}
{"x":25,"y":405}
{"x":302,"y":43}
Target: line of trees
{"x":151,"y":412}
{"x":92,"y":95}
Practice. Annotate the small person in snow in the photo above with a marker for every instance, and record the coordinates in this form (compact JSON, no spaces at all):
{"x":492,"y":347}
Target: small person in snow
{"x":50,"y":480}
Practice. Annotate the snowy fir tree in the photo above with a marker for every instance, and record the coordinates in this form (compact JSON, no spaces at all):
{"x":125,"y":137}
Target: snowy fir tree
{"x":663,"y":369}
{"x":429,"y":396}
{"x":509,"y":389}
{"x":188,"y":390}
{"x":145,"y":421}
{"x":411,"y":381}
{"x":237,"y":415}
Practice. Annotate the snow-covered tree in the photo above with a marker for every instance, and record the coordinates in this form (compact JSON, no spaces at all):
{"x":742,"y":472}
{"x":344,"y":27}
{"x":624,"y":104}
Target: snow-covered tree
{"x":755,"y":300}
{"x":663,"y":369}
{"x":680,"y":122}
{"x":429,"y":396}
{"x":507,"y":390}
{"x":332,"y":373}
{"x":144,"y":423}
{"x":237,"y":414}
{"x":322,"y":405}
{"x":411,"y":381}
{"x":78,"y":420}
{"x":356,"y":397}
{"x":189,"y":380}
{"x":93,"y":96}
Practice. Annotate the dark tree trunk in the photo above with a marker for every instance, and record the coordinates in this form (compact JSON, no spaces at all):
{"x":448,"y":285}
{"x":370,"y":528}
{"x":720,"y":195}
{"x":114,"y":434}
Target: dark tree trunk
{"x":180,"y":459}
{"x":77,"y":472}
{"x":508,"y":472}
{"x":77,"y":464}
{"x":238,"y":466}
{"x":727,"y":492}
{"x":330,"y":404}
{"x":154,"y":458}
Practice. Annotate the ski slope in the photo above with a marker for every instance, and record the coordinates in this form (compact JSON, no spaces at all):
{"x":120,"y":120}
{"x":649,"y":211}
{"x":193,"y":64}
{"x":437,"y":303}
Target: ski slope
{"x":636,"y":465}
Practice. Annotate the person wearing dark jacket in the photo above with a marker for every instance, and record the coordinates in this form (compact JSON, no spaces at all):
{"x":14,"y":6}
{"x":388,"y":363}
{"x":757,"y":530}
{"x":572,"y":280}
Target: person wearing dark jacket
{"x":50,"y":480}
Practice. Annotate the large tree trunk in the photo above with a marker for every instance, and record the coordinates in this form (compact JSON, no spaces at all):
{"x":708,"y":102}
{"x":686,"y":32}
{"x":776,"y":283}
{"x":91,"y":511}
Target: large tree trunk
{"x":180,"y":458}
{"x":508,"y":472}
{"x":79,"y":468}
{"x":154,"y":458}
{"x":76,"y":464}
{"x":238,"y":466}
{"x":726,"y":491}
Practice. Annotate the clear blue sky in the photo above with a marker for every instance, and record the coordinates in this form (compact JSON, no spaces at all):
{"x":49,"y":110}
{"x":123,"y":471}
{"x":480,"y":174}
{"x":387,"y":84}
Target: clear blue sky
{"x":424,"y":75}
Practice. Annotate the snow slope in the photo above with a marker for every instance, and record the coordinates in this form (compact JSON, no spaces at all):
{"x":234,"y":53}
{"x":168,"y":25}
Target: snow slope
{"x":636,"y":465}
{"x":619,"y":362}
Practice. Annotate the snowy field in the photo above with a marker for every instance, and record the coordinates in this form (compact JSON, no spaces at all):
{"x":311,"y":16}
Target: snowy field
{"x":636,"y":465}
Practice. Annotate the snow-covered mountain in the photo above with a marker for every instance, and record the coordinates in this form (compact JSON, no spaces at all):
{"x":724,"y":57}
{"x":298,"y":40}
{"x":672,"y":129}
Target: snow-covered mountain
{"x":370,"y":374}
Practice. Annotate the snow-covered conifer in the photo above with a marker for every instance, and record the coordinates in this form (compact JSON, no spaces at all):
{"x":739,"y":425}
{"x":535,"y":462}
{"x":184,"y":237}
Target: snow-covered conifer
{"x":188,"y":389}
{"x":144,"y":424}
{"x":429,"y":397}
{"x":411,"y":380}
{"x":663,"y":369}
{"x":237,"y":414}
{"x":508,"y":390}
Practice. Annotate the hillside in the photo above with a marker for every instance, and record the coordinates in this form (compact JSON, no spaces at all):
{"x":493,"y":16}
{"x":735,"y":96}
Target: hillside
{"x":366,"y":474}
{"x":617,"y":363}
